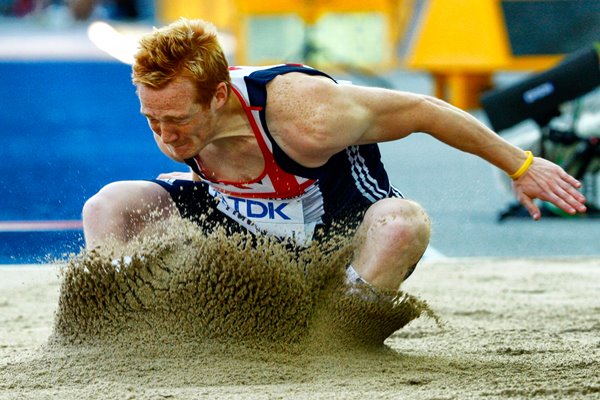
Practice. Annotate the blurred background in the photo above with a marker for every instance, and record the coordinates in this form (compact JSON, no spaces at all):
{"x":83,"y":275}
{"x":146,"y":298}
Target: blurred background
{"x":70,"y":122}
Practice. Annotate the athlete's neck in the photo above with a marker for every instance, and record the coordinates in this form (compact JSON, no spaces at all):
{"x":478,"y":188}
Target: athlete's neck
{"x":232,"y":121}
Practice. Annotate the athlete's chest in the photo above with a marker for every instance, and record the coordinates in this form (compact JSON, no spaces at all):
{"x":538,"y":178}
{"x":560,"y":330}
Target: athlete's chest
{"x":237,"y":160}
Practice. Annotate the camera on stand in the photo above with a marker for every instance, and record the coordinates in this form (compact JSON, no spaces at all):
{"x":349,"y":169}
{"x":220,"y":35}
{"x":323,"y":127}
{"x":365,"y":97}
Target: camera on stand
{"x":567,"y":130}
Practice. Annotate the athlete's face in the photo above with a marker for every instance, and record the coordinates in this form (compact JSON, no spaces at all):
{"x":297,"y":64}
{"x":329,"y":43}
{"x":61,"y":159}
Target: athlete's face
{"x":179,"y":122}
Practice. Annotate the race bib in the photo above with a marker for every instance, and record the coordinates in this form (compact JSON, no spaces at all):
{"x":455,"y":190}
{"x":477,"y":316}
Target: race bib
{"x":282,"y":218}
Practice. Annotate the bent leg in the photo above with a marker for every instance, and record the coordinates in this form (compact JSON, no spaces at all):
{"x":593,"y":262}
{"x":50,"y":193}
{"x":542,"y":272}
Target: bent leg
{"x":122,"y":209}
{"x":390,"y":241}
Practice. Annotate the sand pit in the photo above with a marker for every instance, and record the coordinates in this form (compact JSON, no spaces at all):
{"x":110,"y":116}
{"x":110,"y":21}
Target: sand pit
{"x":511,"y":329}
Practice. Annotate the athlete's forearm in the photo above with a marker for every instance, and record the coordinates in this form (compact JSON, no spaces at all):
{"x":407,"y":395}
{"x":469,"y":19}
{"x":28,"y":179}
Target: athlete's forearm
{"x":462,"y":131}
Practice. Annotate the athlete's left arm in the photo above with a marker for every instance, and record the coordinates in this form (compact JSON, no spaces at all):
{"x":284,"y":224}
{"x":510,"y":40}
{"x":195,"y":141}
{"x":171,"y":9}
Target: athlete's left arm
{"x":390,"y":115}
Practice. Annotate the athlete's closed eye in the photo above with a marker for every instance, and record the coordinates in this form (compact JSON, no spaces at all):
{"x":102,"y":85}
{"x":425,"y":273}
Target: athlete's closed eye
{"x":180,"y":120}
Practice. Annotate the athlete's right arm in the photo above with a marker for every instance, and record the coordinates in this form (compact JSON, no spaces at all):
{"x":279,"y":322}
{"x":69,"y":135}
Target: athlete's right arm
{"x":178,"y":175}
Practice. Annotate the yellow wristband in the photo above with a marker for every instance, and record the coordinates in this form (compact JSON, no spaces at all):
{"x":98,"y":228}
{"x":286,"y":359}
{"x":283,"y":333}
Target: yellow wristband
{"x":523,"y":167}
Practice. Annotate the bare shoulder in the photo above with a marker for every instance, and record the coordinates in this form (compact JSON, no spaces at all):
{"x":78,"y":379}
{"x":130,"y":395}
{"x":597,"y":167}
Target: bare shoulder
{"x":304,"y":113}
{"x":313,"y":117}
{"x":295,"y":87}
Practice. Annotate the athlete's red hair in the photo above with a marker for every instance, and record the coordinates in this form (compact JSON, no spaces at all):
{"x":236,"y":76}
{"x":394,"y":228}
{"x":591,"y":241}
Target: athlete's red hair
{"x":183,"y":48}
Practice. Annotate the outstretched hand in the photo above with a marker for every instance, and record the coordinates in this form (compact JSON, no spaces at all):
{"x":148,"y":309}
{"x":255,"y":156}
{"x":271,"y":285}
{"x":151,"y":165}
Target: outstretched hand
{"x":547,"y":181}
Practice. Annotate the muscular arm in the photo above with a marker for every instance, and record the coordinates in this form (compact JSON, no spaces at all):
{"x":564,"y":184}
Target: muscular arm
{"x":324,"y":118}
{"x":332,"y":117}
{"x":543,"y":180}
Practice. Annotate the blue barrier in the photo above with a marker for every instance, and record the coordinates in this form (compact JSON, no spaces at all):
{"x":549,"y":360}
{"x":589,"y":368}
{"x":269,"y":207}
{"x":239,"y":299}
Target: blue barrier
{"x":67,"y":129}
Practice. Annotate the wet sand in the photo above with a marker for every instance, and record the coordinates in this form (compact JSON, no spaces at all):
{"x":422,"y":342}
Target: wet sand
{"x":511,"y":328}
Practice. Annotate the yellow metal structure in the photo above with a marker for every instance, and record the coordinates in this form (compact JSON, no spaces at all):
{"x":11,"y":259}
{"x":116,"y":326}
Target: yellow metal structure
{"x":357,"y":32}
{"x":219,"y":12}
{"x":462,"y":43}
{"x":328,"y":33}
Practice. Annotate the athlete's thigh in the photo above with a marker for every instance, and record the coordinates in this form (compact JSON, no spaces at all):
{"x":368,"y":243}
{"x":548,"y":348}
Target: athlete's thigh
{"x":138,"y":197}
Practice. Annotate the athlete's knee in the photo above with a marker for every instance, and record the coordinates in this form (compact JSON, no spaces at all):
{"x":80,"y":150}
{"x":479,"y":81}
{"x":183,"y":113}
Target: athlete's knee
{"x":122,"y":209}
{"x":397,"y":223}
{"x":108,"y":203}
{"x":391,"y":241}
{"x":102,"y":217}
{"x":126,"y":202}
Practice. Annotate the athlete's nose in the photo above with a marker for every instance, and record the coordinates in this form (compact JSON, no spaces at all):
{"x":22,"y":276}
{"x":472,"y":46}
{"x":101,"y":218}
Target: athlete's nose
{"x":167,"y":134}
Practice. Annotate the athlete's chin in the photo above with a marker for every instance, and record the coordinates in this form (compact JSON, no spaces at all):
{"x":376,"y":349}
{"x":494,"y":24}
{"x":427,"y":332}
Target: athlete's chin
{"x":183,"y":152}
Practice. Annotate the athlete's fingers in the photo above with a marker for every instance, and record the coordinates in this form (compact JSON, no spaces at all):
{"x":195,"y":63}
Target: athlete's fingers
{"x":573,"y":197}
{"x":564,"y":197}
{"x":559,"y":202}
{"x":570,"y":180}
{"x":530,"y":206}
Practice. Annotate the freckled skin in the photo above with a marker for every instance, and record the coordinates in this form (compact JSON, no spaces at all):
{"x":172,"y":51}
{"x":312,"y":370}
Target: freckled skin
{"x":181,"y":126}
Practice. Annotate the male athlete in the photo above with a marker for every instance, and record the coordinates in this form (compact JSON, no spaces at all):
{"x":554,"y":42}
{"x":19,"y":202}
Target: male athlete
{"x":288,"y":151}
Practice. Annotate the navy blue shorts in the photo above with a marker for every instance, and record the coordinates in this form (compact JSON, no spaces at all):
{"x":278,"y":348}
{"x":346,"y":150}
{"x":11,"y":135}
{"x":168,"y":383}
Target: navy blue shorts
{"x":194,"y":202}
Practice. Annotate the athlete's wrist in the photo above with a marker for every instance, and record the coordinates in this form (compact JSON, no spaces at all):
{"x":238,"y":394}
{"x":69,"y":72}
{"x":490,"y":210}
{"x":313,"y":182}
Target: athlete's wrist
{"x":523,"y":167}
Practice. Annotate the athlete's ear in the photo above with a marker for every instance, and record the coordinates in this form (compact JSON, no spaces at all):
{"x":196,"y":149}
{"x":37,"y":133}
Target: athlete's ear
{"x":221,"y":94}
